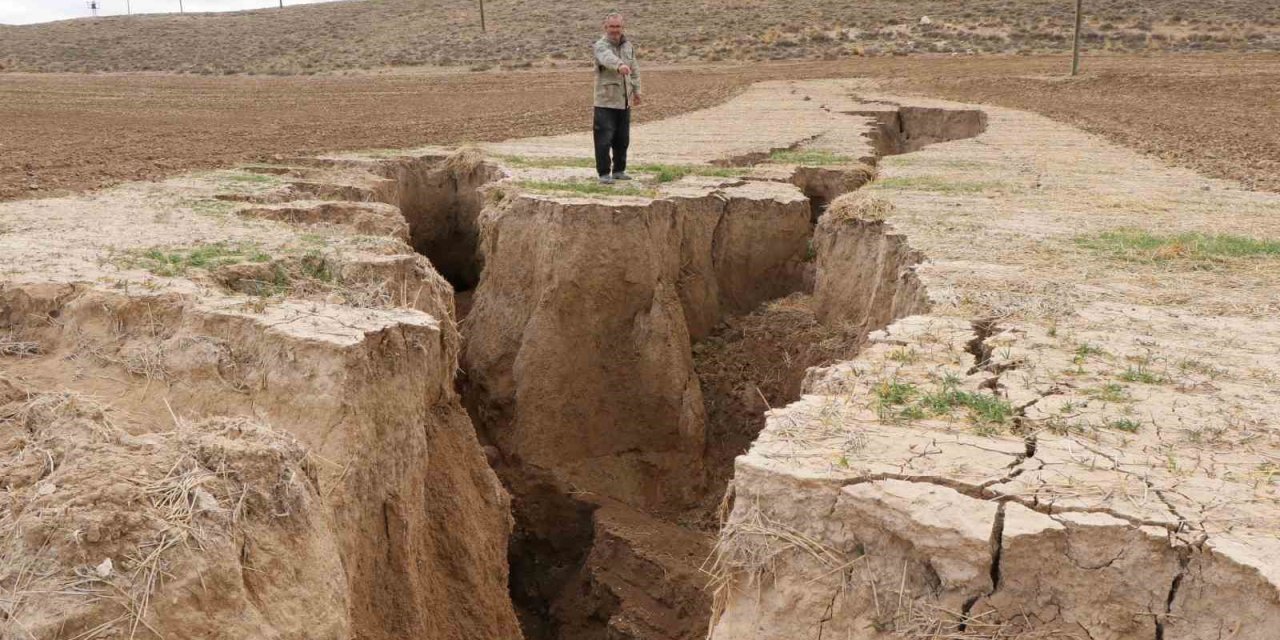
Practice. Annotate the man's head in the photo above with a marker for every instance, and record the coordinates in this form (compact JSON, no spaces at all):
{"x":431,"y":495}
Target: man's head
{"x":613,"y":27}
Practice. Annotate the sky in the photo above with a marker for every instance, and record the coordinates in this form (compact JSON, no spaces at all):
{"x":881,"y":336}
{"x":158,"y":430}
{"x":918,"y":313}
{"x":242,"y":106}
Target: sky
{"x":30,"y":11}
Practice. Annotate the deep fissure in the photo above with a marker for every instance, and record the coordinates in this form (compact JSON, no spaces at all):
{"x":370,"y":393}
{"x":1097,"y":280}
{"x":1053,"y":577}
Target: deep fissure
{"x":746,"y":361}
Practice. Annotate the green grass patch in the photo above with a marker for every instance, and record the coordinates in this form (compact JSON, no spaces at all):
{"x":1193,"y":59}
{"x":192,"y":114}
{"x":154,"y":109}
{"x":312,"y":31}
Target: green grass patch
{"x":983,"y":408}
{"x":673,"y":172}
{"x":904,"y":401}
{"x":810,"y":157}
{"x":893,"y":393}
{"x":938,"y":185}
{"x":178,"y":261}
{"x":1135,"y":245}
{"x":588,"y":187}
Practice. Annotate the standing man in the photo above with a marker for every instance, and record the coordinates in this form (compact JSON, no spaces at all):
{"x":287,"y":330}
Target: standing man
{"x":617,"y":90}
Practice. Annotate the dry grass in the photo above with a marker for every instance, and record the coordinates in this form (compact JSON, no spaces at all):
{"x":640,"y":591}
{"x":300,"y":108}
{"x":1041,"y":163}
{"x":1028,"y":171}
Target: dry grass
{"x":858,"y":205}
{"x":181,"y":506}
{"x":922,"y":620}
{"x":750,"y":547}
{"x":380,"y":33}
{"x":11,"y":346}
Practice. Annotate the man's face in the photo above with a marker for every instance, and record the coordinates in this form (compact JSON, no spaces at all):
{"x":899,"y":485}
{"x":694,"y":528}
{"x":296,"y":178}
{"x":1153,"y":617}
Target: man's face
{"x":613,"y":29}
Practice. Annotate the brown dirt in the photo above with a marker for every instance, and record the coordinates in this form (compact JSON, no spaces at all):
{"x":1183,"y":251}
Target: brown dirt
{"x":64,"y":133}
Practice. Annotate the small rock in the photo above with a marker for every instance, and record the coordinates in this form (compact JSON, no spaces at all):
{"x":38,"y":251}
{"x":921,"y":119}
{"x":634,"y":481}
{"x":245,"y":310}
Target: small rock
{"x":46,"y":489}
{"x":104,"y":568}
{"x":925,"y":20}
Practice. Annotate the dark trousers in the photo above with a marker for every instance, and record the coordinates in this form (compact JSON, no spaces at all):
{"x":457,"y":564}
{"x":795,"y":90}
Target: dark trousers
{"x":612,"y":132}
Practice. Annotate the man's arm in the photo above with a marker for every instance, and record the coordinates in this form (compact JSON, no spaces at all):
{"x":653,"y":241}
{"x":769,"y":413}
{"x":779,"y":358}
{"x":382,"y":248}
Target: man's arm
{"x":605,"y":56}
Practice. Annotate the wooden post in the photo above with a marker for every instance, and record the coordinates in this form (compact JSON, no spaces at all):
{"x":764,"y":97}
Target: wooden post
{"x":1075,"y":42}
{"x":482,"y":25}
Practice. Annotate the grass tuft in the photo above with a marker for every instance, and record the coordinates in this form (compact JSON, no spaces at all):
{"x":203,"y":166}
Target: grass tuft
{"x":810,"y":158}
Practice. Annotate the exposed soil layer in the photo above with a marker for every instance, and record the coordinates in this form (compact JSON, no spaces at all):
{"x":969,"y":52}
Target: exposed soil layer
{"x":66,"y":133}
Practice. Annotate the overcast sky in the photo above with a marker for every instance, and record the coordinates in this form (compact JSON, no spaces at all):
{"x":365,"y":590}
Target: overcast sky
{"x":29,"y":11}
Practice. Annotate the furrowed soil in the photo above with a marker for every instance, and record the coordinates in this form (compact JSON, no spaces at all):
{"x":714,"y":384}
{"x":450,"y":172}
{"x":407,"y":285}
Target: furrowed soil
{"x":62,"y":133}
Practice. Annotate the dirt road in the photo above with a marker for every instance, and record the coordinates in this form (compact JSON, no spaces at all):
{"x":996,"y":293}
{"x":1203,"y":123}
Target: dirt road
{"x":65,"y":132}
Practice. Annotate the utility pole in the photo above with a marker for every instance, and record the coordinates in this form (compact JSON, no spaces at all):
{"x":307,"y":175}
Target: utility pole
{"x":1075,"y":42}
{"x":482,"y":26}
{"x":93,"y":7}
{"x":180,"y":8}
{"x":128,"y":7}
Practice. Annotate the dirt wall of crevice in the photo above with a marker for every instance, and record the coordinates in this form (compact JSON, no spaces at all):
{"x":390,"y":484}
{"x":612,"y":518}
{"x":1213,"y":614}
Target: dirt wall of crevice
{"x":904,"y":129}
{"x":404,"y":507}
{"x":441,"y":199}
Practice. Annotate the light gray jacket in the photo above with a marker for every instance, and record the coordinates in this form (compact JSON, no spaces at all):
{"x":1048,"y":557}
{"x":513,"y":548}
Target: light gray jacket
{"x":614,"y":90}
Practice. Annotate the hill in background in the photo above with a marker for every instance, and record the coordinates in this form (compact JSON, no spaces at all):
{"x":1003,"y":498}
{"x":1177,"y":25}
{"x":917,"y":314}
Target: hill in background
{"x":365,"y":34}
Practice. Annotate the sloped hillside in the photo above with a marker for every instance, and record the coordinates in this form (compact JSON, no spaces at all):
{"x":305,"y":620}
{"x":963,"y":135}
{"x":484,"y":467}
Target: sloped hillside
{"x":359,"y":34}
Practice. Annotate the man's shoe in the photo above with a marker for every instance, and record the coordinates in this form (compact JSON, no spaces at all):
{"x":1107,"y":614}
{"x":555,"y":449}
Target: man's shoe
{"x":606,"y":179}
{"x":621,"y":175}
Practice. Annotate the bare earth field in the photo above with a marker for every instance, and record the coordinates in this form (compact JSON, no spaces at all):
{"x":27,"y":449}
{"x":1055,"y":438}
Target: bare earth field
{"x":63,"y":133}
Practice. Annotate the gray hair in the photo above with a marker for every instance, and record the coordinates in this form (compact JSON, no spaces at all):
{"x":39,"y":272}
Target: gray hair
{"x":612,"y":15}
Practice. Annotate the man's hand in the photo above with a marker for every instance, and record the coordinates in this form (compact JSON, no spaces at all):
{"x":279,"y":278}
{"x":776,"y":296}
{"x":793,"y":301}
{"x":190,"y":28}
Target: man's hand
{"x":636,"y":99}
{"x":624,"y":70}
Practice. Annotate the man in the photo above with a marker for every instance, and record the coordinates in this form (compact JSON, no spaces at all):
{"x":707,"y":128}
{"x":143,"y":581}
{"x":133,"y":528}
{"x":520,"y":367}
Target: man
{"x":617,"y":90}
